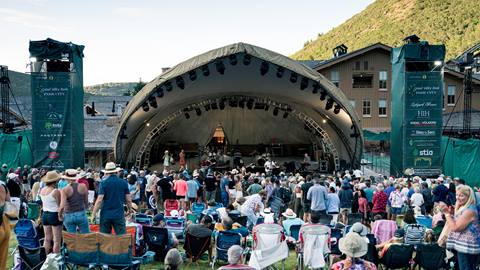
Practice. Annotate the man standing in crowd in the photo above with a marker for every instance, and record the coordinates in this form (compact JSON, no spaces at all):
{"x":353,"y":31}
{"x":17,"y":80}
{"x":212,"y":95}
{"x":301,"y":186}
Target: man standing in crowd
{"x":112,"y":195}
{"x":318,"y":196}
{"x":306,"y":202}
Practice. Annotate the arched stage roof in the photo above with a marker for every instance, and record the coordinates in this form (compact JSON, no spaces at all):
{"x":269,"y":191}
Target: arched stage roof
{"x":258,"y":79}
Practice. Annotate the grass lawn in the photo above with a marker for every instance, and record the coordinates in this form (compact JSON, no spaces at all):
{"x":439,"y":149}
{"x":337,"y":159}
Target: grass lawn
{"x":289,"y":263}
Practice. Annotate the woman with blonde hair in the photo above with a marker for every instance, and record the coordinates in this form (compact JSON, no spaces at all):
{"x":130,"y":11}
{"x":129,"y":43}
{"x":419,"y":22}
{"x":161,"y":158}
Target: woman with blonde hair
{"x":464,"y":227}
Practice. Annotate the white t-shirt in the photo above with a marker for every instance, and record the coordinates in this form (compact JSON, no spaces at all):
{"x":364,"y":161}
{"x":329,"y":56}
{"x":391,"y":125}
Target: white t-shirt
{"x":417,"y":199}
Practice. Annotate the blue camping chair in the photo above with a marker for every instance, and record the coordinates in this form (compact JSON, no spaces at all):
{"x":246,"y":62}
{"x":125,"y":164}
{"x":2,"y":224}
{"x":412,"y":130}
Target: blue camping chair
{"x":294,"y":231}
{"x":175,"y":225}
{"x":223,"y":242}
{"x":425,"y":221}
{"x":144,"y":219}
{"x":79,"y":250}
{"x":115,"y":251}
{"x":27,"y":235}
{"x":156,"y":240}
{"x":197,"y":208}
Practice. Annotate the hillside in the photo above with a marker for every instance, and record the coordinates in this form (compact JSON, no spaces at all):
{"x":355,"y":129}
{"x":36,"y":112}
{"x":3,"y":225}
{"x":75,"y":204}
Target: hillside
{"x":110,"y":89}
{"x":455,"y":23}
{"x":19,"y":83}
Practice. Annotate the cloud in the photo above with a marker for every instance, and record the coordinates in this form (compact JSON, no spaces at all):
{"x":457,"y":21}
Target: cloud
{"x":29,"y":20}
{"x":130,"y":12}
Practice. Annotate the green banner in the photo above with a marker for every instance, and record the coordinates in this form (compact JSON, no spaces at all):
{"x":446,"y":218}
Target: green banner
{"x":423,"y":122}
{"x":52,"y":119}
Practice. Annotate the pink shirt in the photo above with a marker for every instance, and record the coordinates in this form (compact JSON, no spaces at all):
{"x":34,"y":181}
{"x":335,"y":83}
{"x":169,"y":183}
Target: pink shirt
{"x":180,"y":187}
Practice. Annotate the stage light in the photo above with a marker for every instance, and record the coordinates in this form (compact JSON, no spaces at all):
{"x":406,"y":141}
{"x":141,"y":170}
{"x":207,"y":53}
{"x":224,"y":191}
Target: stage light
{"x":207,"y":107}
{"x":180,"y":82}
{"x":193,"y":75}
{"x":247,"y":59}
{"x":233,"y":59}
{"x":323,"y":95}
{"x":198,"y":111}
{"x":205,"y":71}
{"x":220,"y":67}
{"x":304,"y":83}
{"x":153,"y":102}
{"x":168,"y":86}
{"x":159,"y":91}
{"x":315,"y":87}
{"x":221,"y":105}
{"x":250,"y":103}
{"x":145,"y":107}
{"x":264,"y":68}
{"x":280,"y":71}
{"x":241,"y":103}
{"x":324,"y":121}
{"x":285,"y":115}
{"x":148,"y":124}
{"x":214,"y":105}
{"x":187,"y":115}
{"x":329,"y":104}
{"x":275,"y":111}
{"x":337,"y":109}
{"x":293,"y":77}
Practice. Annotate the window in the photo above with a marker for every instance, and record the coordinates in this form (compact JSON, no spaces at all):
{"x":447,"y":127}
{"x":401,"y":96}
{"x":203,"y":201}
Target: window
{"x":352,"y":101}
{"x":451,"y":95}
{"x":382,"y":80}
{"x":365,"y":65}
{"x":382,"y":108}
{"x":366,"y":108}
{"x":357,"y":65}
{"x":362,"y":80}
{"x":335,"y":77}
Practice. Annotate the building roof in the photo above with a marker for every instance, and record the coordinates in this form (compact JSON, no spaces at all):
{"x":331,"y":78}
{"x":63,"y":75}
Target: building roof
{"x":350,"y":55}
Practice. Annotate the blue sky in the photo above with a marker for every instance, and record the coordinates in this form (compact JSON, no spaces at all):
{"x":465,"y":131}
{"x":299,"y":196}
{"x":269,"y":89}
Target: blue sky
{"x":127,"y":40}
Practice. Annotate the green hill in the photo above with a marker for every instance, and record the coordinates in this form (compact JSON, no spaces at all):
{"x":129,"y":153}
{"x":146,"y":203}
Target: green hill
{"x":19,"y":83}
{"x":455,"y":23}
{"x":110,"y":89}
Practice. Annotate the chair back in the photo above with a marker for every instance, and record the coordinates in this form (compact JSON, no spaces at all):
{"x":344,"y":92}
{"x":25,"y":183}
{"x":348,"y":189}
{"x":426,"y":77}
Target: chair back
{"x":115,"y":250}
{"x":335,"y":235}
{"x":195,"y":246}
{"x":224,"y":241}
{"x":414,"y":234}
{"x":314,"y":243}
{"x":425,"y":221}
{"x":171,"y":204}
{"x":143,"y":219}
{"x":197,"y":208}
{"x":192,"y":217}
{"x":242,"y":220}
{"x":295,"y":230}
{"x":383,"y":230}
{"x":372,"y":254}
{"x":430,"y":257}
{"x":27,"y":235}
{"x":156,"y":240}
{"x":32,"y":258}
{"x":175,"y":225}
{"x":80,"y":249}
{"x":326,"y":219}
{"x":267,"y":235}
{"x":398,"y":256}
{"x":33,"y":211}
{"x":354,"y":218}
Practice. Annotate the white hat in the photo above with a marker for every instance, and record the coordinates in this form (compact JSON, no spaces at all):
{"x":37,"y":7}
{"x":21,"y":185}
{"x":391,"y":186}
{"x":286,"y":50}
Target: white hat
{"x":359,"y":228}
{"x":195,"y":173}
{"x":174,"y":213}
{"x":70,"y":174}
{"x":12,"y":176}
{"x":353,"y":245}
{"x":289,"y":213}
{"x":111,"y":167}
{"x":267,"y":211}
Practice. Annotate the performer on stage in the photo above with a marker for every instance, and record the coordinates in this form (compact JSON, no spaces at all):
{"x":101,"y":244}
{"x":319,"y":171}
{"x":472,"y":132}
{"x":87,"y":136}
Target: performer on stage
{"x":181,"y":160}
{"x":167,"y":160}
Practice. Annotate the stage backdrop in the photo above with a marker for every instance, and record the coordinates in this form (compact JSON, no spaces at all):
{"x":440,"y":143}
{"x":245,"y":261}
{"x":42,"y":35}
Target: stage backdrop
{"x":57,"y":104}
{"x":417,"y":99}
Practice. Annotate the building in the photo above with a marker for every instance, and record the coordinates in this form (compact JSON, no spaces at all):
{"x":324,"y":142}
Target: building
{"x":364,"y":76}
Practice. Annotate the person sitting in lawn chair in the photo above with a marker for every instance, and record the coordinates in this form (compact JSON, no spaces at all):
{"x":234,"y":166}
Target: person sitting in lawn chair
{"x":235,"y":259}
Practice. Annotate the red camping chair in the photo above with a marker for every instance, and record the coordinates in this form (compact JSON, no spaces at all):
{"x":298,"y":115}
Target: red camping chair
{"x":170,"y":205}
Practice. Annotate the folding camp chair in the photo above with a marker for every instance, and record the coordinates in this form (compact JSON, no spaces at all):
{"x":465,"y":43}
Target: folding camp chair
{"x":383,"y":230}
{"x":294,"y":231}
{"x":223,"y":242}
{"x":143,"y":219}
{"x":32,"y":258}
{"x":335,"y":235}
{"x":171,"y":204}
{"x":414,"y":234}
{"x":79,"y":250}
{"x":372,"y":254}
{"x":195,"y":247}
{"x":33,"y":211}
{"x":115,"y":251}
{"x":192,"y":217}
{"x":326,"y":219}
{"x":156,"y":240}
{"x":397,"y":256}
{"x":176,"y":226}
{"x":197,"y":208}
{"x":313,"y":241}
{"x":269,"y":246}
{"x":354,"y":218}
{"x":425,"y":221}
{"x":27,"y":234}
{"x":431,"y":257}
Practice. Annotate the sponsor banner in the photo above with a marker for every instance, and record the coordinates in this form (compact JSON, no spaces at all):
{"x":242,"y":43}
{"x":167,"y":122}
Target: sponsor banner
{"x":423,"y":122}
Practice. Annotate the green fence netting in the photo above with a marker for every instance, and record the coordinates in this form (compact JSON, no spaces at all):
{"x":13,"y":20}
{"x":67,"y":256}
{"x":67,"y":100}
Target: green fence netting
{"x":373,"y":136}
{"x":462,"y":159}
{"x":15,"y":149}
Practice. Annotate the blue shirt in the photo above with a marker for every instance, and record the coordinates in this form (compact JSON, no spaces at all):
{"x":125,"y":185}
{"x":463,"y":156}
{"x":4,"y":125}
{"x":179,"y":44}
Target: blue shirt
{"x":333,"y":203}
{"x":113,"y":190}
{"x":387,"y":191}
{"x":369,"y":193}
{"x":192,"y":187}
{"x":287,"y":223}
{"x":317,"y":195}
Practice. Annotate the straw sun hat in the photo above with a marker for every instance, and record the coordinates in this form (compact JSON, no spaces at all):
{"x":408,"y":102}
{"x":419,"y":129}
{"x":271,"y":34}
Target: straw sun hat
{"x":353,"y":245}
{"x":110,"y":167}
{"x":51,"y":176}
{"x":70,"y":174}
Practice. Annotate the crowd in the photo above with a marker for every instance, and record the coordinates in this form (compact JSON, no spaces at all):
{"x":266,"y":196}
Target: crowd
{"x":76,"y":198}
